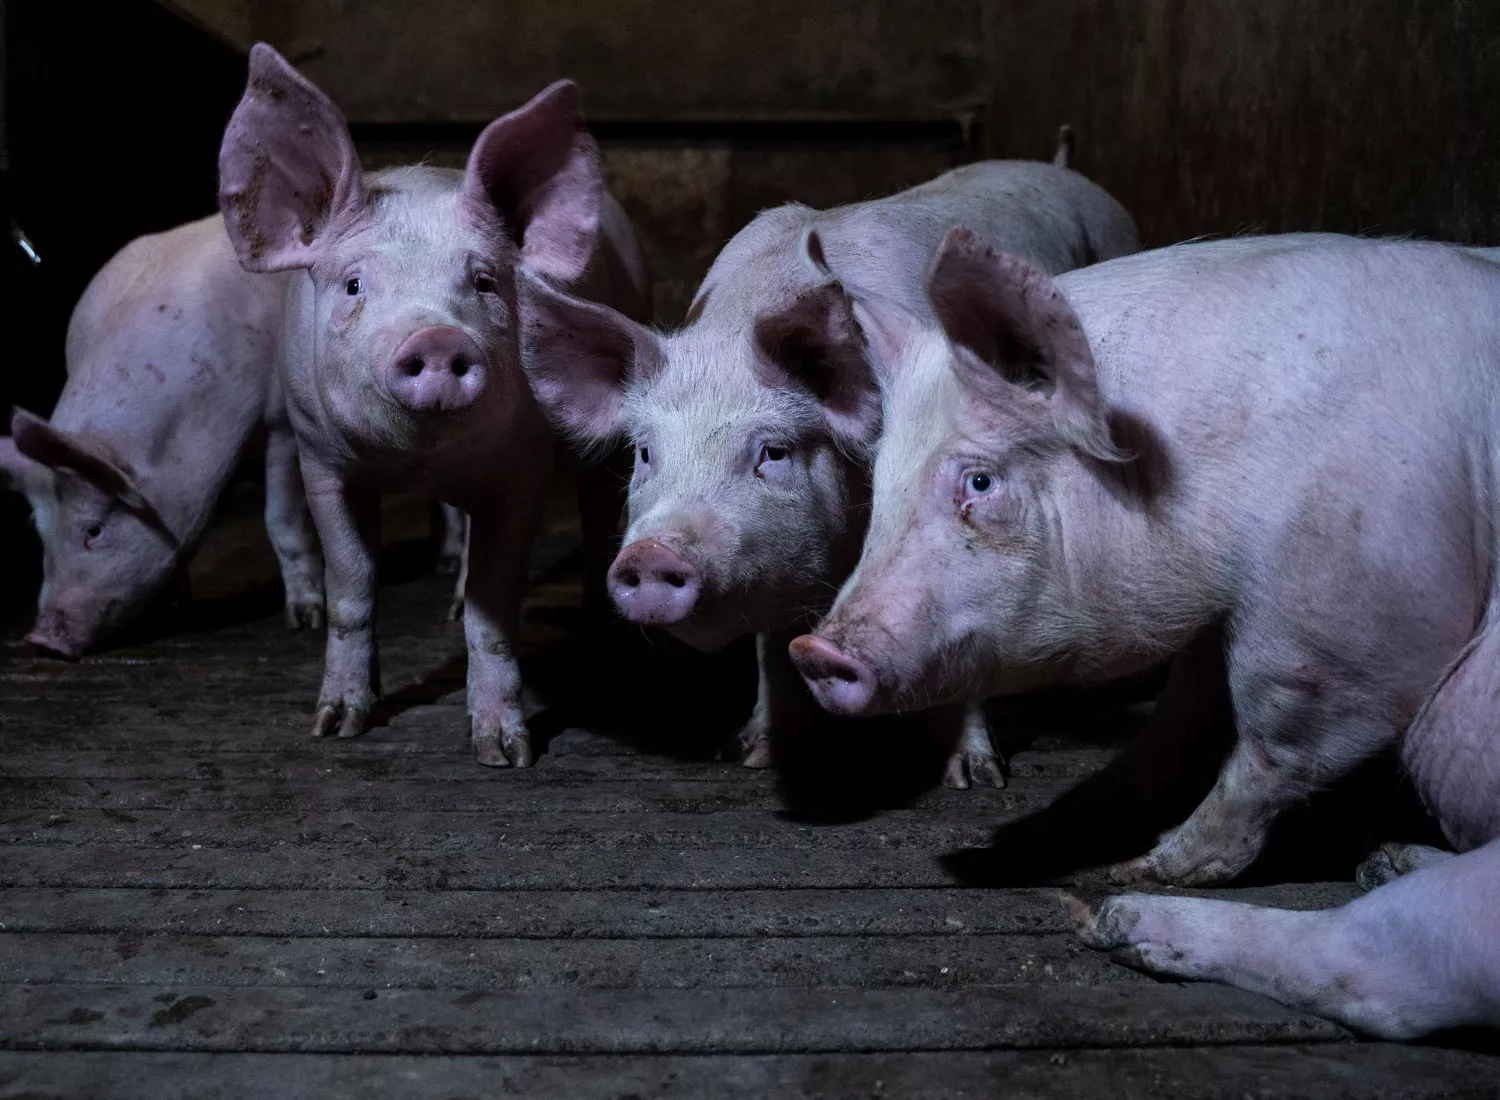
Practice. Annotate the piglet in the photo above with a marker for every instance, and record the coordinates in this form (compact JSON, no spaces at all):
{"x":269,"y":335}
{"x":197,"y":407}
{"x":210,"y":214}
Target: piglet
{"x":399,"y":355}
{"x":170,"y":357}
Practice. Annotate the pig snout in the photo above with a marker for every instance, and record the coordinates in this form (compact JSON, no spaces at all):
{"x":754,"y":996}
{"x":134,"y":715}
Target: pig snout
{"x":841,"y":683}
{"x":438,"y":369}
{"x":652,"y":584}
{"x":53,"y":634}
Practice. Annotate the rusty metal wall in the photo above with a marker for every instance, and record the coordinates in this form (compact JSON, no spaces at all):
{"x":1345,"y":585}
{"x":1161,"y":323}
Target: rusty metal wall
{"x":1220,"y":116}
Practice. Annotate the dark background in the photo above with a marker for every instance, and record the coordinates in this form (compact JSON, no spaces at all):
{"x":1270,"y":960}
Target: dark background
{"x":1202,"y":116}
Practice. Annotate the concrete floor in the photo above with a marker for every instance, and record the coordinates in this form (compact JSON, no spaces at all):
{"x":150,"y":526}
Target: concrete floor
{"x":198,"y":900}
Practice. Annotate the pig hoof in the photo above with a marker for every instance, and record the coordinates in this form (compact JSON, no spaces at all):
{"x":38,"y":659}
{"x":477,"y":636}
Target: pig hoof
{"x":339,"y":720}
{"x":1376,"y":871}
{"x":504,"y":750}
{"x":1105,"y":927}
{"x":760,"y":754}
{"x":304,"y":616}
{"x":1135,"y":872}
{"x":456,"y":611}
{"x":751,"y":746}
{"x":969,"y":768}
{"x":448,"y":565}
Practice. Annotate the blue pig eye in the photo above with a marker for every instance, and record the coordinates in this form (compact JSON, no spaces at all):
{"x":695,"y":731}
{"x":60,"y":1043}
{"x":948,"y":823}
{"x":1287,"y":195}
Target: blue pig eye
{"x":352,"y":287}
{"x":980,"y":483}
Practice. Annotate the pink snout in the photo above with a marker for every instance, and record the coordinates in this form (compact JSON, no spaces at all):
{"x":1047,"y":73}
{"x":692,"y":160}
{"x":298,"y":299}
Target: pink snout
{"x":51,"y":634}
{"x":438,"y":369}
{"x":652,"y":584}
{"x":841,"y":683}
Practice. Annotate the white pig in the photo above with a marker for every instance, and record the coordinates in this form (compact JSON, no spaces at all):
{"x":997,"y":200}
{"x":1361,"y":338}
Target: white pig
{"x":750,"y":487}
{"x":399,"y":349}
{"x":1292,"y":439}
{"x":170,"y":374}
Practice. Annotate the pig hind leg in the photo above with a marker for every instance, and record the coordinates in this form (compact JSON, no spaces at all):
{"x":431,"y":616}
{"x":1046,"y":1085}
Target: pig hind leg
{"x":290,"y":525}
{"x":1404,"y":960}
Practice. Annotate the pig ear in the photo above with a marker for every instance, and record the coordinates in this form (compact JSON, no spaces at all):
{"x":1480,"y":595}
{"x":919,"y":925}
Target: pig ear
{"x":1011,"y":329}
{"x":47,"y":446}
{"x":287,"y":168}
{"x":16,"y":470}
{"x":580,"y":357}
{"x":539,"y":168}
{"x":815,"y":344}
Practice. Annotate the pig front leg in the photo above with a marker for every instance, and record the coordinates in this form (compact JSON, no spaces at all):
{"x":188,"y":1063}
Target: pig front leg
{"x":601,"y":498}
{"x":290,"y":525}
{"x":974,"y":761}
{"x":1300,"y":724}
{"x":499,"y":546}
{"x":781,"y":701}
{"x":348,"y":522}
{"x":1409,"y":958}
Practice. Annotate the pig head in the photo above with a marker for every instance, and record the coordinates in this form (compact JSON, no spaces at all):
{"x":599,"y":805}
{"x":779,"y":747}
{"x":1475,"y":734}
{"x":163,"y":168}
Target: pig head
{"x":108,"y":551}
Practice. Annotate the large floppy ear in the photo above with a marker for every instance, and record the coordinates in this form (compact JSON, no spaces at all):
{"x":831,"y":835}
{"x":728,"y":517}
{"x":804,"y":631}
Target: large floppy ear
{"x":16,"y":470}
{"x":539,"y":169}
{"x":814,"y":343}
{"x":1011,"y":328}
{"x":580,"y":357}
{"x":40,"y":442}
{"x":287,"y":168}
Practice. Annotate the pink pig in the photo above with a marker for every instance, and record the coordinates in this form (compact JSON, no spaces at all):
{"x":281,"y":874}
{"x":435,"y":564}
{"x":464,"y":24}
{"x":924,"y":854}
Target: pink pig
{"x":1291,"y":440}
{"x":170,"y":374}
{"x":753,"y":422}
{"x":399,"y":350}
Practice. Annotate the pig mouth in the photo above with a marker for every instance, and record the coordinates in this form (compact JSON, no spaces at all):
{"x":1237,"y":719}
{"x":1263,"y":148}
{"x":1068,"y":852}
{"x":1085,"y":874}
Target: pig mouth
{"x":56,"y":645}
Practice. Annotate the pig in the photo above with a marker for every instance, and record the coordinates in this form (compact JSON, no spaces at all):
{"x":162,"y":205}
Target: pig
{"x":1285,"y":439}
{"x":399,"y":356}
{"x":747,"y":502}
{"x":1288,"y":441}
{"x":170,"y":374}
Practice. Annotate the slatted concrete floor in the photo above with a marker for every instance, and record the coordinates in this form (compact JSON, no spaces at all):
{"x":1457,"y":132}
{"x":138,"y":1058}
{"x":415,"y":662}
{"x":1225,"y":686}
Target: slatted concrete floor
{"x":197,"y":900}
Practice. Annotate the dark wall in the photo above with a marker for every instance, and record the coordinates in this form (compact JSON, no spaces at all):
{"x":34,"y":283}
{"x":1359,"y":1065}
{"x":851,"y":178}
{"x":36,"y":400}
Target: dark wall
{"x":1218,"y":116}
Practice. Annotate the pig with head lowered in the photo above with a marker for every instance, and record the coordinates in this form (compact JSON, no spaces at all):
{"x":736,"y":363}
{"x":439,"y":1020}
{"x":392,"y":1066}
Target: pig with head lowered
{"x":753,"y":424}
{"x":1285,"y":447}
{"x":399,"y":351}
{"x":171,"y":374}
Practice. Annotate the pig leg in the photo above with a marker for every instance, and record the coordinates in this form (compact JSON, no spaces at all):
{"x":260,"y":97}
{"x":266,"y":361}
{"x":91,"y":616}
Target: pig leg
{"x":1300,"y":725}
{"x":454,"y":536}
{"x":456,"y":529}
{"x":974,"y":760}
{"x":1414,"y":956}
{"x":781,"y":701}
{"x":290,"y":526}
{"x":499,"y":545}
{"x":348,"y":522}
{"x":1390,"y":861}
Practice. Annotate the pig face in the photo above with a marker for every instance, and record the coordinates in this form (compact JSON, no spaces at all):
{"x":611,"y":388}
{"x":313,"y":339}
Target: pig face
{"x":968,"y":584}
{"x":411,"y":270}
{"x":747,"y":498}
{"x":106,"y":551}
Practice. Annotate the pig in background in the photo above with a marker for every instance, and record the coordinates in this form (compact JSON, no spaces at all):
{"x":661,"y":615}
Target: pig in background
{"x":398,"y":350}
{"x":1286,"y":445}
{"x":170,"y":375}
{"x":753,"y":424}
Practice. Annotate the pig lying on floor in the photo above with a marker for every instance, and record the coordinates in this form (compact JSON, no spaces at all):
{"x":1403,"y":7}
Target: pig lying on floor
{"x":1295,"y":440}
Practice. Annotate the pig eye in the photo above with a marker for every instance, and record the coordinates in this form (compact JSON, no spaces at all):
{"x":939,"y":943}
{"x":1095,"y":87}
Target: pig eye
{"x":484,"y":284}
{"x":352,"y":287}
{"x":979,"y":484}
{"x":645,"y":453}
{"x":771,"y":452}
{"x":93,"y":531}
